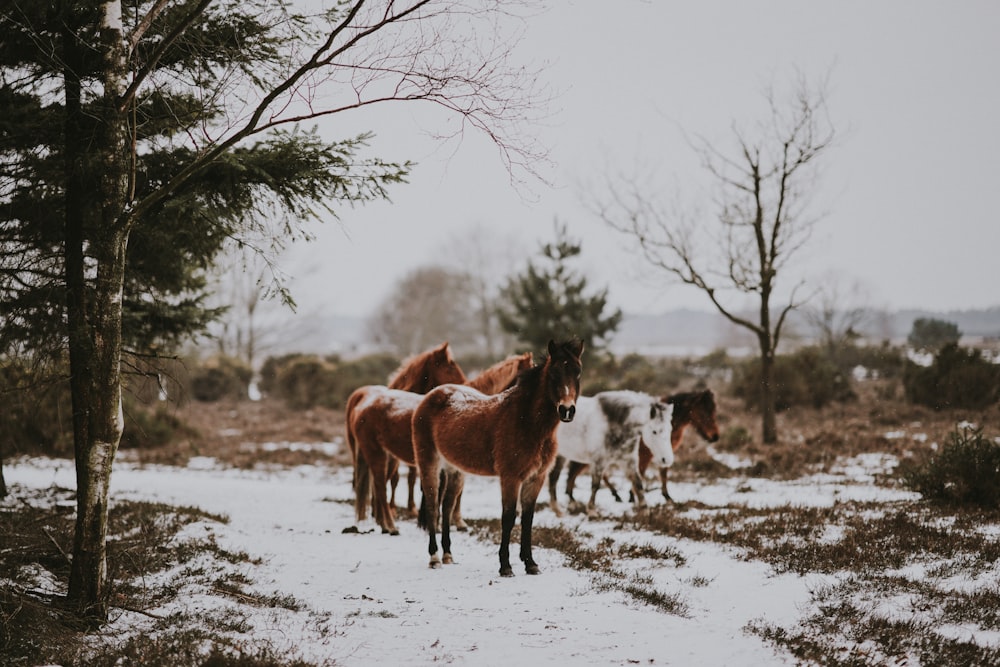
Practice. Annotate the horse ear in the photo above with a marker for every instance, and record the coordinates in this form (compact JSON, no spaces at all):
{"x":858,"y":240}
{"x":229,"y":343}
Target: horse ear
{"x":652,"y":410}
{"x":551,"y":347}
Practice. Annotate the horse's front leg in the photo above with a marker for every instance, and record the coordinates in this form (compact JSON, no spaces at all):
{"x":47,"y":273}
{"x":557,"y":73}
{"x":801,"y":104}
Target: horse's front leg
{"x":637,"y":488}
{"x":529,"y":496}
{"x":508,"y":499}
{"x":664,"y":472}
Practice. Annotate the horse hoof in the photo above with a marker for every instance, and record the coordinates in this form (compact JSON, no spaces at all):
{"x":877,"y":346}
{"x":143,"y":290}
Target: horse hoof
{"x":462,"y":527}
{"x":447,"y":559}
{"x":506,"y":572}
{"x":532,"y":569}
{"x":435,"y":562}
{"x":390,"y":531}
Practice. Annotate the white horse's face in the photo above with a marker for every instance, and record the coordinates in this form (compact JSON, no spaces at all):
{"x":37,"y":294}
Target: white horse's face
{"x":656,"y":434}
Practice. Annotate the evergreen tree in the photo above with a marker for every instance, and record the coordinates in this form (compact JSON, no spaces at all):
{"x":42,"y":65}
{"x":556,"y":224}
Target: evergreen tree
{"x":930,"y":335}
{"x":549,"y":301}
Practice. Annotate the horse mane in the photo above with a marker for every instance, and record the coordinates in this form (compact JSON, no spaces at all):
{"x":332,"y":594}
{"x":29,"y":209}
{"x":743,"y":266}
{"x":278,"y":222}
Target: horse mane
{"x":683,"y":401}
{"x":415,"y":367}
{"x":500,"y":376}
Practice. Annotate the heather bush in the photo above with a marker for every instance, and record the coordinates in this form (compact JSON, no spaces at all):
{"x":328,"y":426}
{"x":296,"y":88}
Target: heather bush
{"x":966,"y":472}
{"x":806,"y":377}
{"x":219,"y":378}
{"x":957,"y":378}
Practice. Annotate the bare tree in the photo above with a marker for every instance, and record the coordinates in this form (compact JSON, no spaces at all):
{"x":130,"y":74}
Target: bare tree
{"x":248,"y":284}
{"x":343,"y":59}
{"x":429,"y":305}
{"x":485,"y":256}
{"x":763,"y":186}
{"x":838,"y":313}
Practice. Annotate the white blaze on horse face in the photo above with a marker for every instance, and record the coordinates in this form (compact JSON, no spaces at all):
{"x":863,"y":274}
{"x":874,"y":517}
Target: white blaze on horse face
{"x":656,"y":436}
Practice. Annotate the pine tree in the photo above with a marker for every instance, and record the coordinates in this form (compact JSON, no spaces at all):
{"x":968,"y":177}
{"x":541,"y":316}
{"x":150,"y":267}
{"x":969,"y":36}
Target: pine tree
{"x":549,"y":300}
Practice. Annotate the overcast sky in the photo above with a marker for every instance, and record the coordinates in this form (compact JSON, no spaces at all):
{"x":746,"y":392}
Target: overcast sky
{"x":909,"y":192}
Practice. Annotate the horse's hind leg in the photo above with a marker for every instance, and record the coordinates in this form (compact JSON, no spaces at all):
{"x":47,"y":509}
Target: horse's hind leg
{"x":411,"y":482}
{"x":529,"y":495}
{"x":554,"y":483}
{"x":456,"y":517}
{"x":379,"y":463}
{"x":453,"y":485}
{"x":573,"y":471}
{"x":596,"y":475}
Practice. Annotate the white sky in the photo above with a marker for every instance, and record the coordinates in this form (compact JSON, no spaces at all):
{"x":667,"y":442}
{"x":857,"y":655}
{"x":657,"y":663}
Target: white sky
{"x":909,"y":191}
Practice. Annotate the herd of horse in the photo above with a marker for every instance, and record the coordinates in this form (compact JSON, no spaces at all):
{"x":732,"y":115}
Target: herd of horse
{"x":517,"y":420}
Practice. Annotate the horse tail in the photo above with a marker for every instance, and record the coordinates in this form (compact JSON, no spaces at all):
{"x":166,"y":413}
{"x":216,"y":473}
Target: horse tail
{"x":424,"y":521}
{"x":362,"y":487}
{"x":428,"y":464}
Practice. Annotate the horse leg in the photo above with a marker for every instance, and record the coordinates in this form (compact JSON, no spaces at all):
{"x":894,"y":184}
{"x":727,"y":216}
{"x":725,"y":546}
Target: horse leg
{"x":663,"y":484}
{"x":529,"y":495}
{"x":596,"y":474}
{"x":611,"y":488}
{"x":640,"y":495}
{"x":411,"y":481}
{"x":454,"y":481}
{"x":553,"y":483}
{"x":572,"y":472}
{"x":379,"y":464}
{"x":393,"y":476}
{"x":509,"y":489}
{"x":456,"y":516}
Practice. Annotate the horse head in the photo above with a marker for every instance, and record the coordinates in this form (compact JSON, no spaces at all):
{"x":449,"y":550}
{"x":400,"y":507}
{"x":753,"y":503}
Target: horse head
{"x":703,"y":415}
{"x":656,"y":433}
{"x":562,"y":370}
{"x":698,"y":409}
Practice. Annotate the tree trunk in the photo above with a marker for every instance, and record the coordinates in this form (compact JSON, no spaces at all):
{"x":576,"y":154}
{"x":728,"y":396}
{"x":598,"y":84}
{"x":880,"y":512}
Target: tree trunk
{"x":769,"y":426}
{"x":95,"y":316}
{"x":3,"y":482}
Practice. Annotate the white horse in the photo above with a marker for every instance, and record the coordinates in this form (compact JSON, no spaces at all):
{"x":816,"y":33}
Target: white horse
{"x":606,"y":432}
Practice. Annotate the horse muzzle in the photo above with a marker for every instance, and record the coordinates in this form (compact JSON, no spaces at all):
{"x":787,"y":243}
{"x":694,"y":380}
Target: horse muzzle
{"x":567,"y":412}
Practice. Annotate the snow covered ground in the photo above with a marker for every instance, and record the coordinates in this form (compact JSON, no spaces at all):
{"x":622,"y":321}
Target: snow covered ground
{"x":371,"y":599}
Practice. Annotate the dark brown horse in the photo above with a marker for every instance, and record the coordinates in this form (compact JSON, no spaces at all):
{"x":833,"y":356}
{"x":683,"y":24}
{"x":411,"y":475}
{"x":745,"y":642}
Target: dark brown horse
{"x":692,"y":408}
{"x":382,"y":436}
{"x":418,"y":374}
{"x":511,"y":435}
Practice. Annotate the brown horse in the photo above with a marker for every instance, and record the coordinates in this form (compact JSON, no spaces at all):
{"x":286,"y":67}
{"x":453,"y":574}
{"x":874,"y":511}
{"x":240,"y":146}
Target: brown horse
{"x":495,"y":379}
{"x":692,"y":408}
{"x":418,"y":374}
{"x":382,"y":436}
{"x":511,"y":435}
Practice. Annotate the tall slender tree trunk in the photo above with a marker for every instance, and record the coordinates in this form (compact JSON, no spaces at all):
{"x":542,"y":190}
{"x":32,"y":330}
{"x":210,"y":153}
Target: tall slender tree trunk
{"x":769,"y":425}
{"x":95,"y":315}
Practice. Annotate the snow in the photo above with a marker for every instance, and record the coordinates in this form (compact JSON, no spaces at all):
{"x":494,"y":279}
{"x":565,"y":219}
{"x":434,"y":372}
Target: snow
{"x":371,"y":599}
